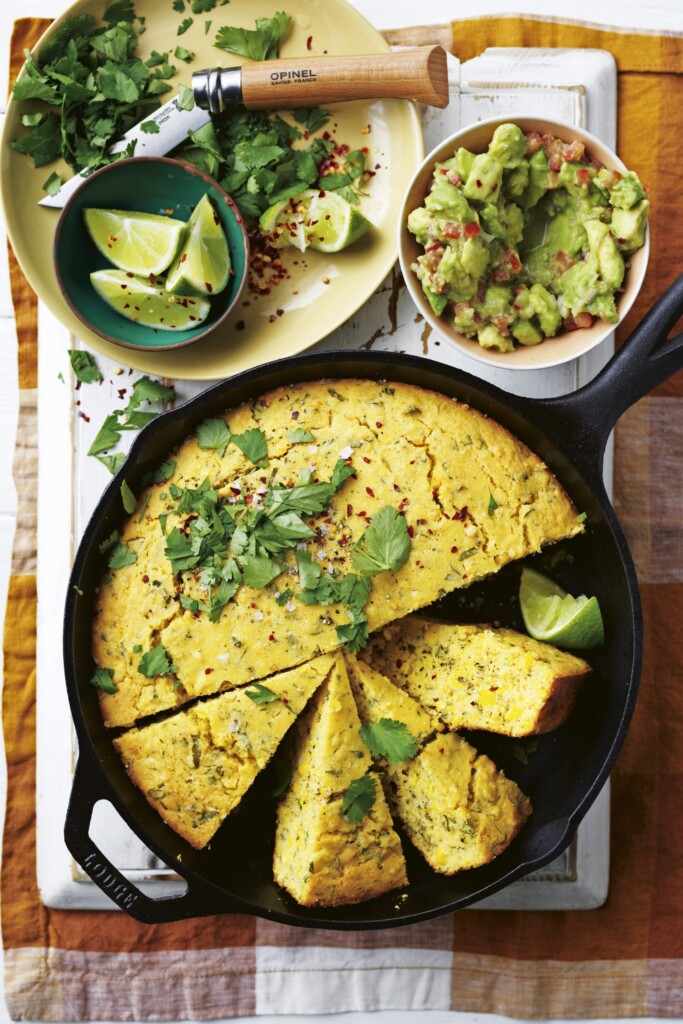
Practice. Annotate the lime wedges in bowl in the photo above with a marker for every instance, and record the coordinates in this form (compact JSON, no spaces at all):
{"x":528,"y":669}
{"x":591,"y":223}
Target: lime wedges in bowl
{"x":203,"y":263}
{"x":143,"y":243}
{"x":554,"y":616}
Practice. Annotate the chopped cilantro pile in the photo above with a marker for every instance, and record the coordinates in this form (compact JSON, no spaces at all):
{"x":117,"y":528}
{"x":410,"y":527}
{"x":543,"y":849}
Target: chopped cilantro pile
{"x":95,"y":86}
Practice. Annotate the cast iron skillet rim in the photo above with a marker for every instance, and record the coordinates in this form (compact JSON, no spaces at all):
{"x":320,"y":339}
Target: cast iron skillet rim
{"x":525,"y":407}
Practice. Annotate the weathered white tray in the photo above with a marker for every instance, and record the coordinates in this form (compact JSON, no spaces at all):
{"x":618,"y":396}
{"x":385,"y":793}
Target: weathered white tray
{"x":575,"y":86}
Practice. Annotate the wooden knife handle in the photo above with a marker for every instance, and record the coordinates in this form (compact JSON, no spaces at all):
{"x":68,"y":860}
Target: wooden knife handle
{"x":418,"y":74}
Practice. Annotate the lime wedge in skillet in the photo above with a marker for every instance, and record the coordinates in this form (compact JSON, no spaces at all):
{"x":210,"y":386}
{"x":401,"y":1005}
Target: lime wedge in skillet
{"x":147,"y":303}
{"x":141,"y":243}
{"x":323,"y":221}
{"x":203,"y":264}
{"x":552,"y":615}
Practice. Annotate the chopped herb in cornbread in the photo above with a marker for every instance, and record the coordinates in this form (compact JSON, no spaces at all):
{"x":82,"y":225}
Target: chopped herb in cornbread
{"x":478,"y":677}
{"x":335,"y":843}
{"x":248,"y":564}
{"x":195,"y":767}
{"x":457,"y":808}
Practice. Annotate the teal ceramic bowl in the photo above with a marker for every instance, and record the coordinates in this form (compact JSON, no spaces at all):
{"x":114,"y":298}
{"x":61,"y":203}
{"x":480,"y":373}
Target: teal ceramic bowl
{"x":149,"y":185}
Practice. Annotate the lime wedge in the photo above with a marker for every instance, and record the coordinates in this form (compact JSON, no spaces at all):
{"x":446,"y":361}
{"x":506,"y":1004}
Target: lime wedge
{"x":203,"y":264}
{"x":323,"y":221}
{"x":149,"y":304}
{"x":141,"y":243}
{"x":552,"y":615}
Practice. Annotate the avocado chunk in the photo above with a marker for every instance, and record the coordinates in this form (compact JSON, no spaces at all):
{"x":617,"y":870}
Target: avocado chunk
{"x":545,"y":307}
{"x":508,"y":145}
{"x":484,"y":180}
{"x":629,"y":226}
{"x":526,"y":332}
{"x":604,"y":307}
{"x":627,"y":192}
{"x":516,"y":180}
{"x":489,"y":337}
{"x":419,"y":222}
{"x":580,"y":284}
{"x":603,"y":246}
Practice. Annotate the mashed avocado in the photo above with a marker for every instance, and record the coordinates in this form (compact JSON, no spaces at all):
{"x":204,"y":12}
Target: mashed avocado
{"x":526,"y":239}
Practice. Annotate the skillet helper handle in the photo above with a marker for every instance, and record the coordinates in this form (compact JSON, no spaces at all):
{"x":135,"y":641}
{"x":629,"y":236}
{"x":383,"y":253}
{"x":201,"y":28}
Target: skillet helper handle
{"x":84,"y":795}
{"x":418,"y":74}
{"x":645,"y":360}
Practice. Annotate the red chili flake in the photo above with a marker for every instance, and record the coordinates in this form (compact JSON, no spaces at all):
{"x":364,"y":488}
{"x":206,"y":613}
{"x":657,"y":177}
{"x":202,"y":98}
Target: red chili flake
{"x":271,"y":637}
{"x":369,"y":490}
{"x":145,"y":578}
{"x":454,"y":550}
{"x":253,"y":604}
{"x":121,"y":392}
{"x":128,"y":274}
{"x":183,"y":257}
{"x":343,"y":540}
{"x":208,"y":671}
{"x":366,"y":459}
{"x":349,"y":510}
{"x":272,"y":318}
{"x":441,"y":750}
{"x":378,"y":424}
{"x":461,"y":515}
{"x":309,"y":42}
{"x":295,"y":415}
{"x":396,"y":487}
{"x":208,"y":286}
{"x":280,"y":312}
{"x":361,"y":513}
{"x":411,"y":531}
{"x":84,"y":417}
{"x":124,"y":287}
{"x":478,"y":183}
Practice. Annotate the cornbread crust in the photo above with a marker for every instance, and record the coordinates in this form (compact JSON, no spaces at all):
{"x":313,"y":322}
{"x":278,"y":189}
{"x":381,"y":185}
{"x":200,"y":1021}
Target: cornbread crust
{"x":478,"y":677}
{"x":195,"y":767}
{"x":457,"y":808}
{"x":321,"y":857}
{"x":435,"y":459}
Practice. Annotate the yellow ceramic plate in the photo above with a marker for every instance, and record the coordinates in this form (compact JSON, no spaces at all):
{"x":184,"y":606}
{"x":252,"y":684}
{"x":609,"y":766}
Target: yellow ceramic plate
{"x":323,"y":290}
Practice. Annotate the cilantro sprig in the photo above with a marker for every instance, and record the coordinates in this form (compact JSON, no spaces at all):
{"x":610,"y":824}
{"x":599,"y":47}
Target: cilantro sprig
{"x":390,"y":739}
{"x":261,"y":694}
{"x":259,"y":43}
{"x":384,"y":546}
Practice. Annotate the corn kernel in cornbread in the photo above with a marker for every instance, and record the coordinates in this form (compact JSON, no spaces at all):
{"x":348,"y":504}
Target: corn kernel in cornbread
{"x":434,"y":459}
{"x":478,"y":677}
{"x":457,"y":808}
{"x":322,"y":858}
{"x":195,"y":767}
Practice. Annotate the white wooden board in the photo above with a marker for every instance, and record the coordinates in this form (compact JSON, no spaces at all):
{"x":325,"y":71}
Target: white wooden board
{"x":570,"y":85}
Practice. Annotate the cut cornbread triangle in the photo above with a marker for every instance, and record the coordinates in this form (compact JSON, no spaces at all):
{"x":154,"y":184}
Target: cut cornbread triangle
{"x":195,"y":767}
{"x":323,"y":857}
{"x":478,"y":677}
{"x":457,"y":808}
{"x":435,"y":460}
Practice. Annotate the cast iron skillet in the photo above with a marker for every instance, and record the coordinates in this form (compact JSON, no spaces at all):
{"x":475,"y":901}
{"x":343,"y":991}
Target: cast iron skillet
{"x":570,"y":766}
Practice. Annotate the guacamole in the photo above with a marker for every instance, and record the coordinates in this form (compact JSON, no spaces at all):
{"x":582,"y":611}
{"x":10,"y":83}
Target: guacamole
{"x":527,"y":239}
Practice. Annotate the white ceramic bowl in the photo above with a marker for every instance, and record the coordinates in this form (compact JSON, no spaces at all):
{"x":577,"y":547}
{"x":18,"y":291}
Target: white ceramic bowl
{"x":552,"y":351}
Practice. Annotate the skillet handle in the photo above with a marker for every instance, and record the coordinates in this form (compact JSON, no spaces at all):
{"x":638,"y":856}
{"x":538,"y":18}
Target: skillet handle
{"x":586,"y":417}
{"x":85,"y":794}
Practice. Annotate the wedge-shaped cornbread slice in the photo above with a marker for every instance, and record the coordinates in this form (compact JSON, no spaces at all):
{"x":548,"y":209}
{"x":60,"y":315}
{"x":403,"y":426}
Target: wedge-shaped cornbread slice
{"x":435,"y":460}
{"x":323,"y":857}
{"x":195,"y":767}
{"x":457,"y":808}
{"x":478,"y":677}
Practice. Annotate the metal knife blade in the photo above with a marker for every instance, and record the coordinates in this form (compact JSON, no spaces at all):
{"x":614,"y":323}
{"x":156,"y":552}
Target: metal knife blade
{"x":173,"y":123}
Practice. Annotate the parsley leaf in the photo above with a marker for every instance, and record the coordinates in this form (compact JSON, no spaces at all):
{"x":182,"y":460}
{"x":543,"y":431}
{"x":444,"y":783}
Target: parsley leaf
{"x":359,"y":798}
{"x":252,"y":443}
{"x":121,"y":556}
{"x":128,"y":498}
{"x":389,"y":738}
{"x":112,"y":462}
{"x":384,"y":546}
{"x":260,"y":43}
{"x":493,"y":504}
{"x":103,"y":679}
{"x":213,"y":434}
{"x":107,"y":436}
{"x":260,"y":694}
{"x":299,"y":436}
{"x":155,"y":663}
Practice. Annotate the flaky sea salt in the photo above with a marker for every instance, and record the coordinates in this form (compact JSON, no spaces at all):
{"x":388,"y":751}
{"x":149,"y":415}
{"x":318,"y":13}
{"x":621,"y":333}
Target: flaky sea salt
{"x":346,"y":453}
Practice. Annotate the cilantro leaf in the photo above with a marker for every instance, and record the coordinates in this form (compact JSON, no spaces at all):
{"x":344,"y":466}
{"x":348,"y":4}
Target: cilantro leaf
{"x":252,"y":443}
{"x":103,"y":679}
{"x":521,"y":750}
{"x":109,"y":542}
{"x":356,"y":632}
{"x":202,"y":6}
{"x":112,"y":462}
{"x":156,"y":58}
{"x":260,"y":43}
{"x":260,"y":694}
{"x":84,"y":366}
{"x":259,"y":570}
{"x":311,"y":118}
{"x":493,"y":504}
{"x":389,"y":738}
{"x":128,"y":498}
{"x":359,"y":798}
{"x":384,"y":546}
{"x":122,"y":556}
{"x":160,"y":475}
{"x":150,"y":128}
{"x":180,"y":53}
{"x":354,"y":591}
{"x":179,"y":551}
{"x":309,"y":571}
{"x":147,"y":390}
{"x":213,"y":434}
{"x":299,"y":436}
{"x":107,"y":436}
{"x":281,"y":771}
{"x":52,"y":184}
{"x":184,"y":25}
{"x":341,"y":473}
{"x":185,"y":98}
{"x":355,"y":168}
{"x":155,"y":663}
{"x":137,"y":420}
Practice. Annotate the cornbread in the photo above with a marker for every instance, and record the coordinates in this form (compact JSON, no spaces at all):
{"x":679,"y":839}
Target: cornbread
{"x":440,"y":463}
{"x":457,"y":808}
{"x":195,"y":767}
{"x":478,"y":677}
{"x":322,"y":857}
